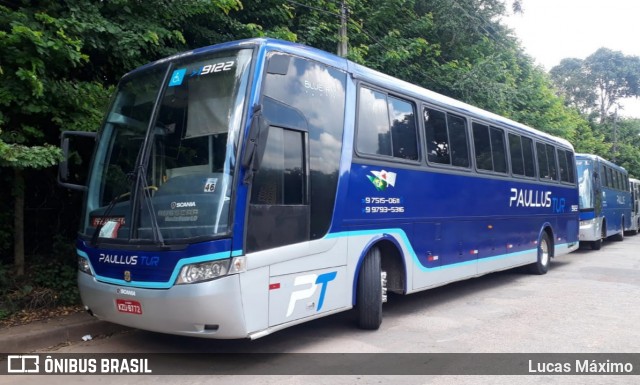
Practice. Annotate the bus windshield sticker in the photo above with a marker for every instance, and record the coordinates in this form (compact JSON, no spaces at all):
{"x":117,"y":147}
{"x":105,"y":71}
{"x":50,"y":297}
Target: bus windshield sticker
{"x":382,"y":179}
{"x":210,"y":185}
{"x":177,"y":77}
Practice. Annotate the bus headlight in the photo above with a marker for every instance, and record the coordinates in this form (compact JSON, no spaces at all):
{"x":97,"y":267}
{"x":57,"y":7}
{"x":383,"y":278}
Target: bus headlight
{"x":206,"y":271}
{"x":84,"y":266}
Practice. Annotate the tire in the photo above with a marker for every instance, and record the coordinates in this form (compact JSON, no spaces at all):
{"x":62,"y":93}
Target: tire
{"x":597,"y":245}
{"x":620,"y":236}
{"x":541,"y":266}
{"x":369,"y":292}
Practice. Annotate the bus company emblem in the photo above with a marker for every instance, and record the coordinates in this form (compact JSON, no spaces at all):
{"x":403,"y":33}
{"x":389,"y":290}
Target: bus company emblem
{"x":175,"y":205}
{"x":127,"y":276}
{"x":312,"y":281}
{"x":382,"y":179}
{"x":124,"y":291}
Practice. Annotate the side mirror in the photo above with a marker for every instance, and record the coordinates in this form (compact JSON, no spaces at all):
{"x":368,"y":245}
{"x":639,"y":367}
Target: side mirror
{"x":78,"y":144}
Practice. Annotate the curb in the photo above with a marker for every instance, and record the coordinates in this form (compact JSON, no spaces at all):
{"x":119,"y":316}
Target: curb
{"x":52,"y":332}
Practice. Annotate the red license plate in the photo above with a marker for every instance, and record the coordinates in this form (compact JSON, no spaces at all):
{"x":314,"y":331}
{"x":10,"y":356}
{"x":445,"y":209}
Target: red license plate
{"x":128,"y":306}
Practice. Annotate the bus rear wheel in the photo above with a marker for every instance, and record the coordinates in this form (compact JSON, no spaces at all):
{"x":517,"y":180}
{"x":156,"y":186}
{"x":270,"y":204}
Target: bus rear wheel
{"x":541,"y":266}
{"x":369,"y":291}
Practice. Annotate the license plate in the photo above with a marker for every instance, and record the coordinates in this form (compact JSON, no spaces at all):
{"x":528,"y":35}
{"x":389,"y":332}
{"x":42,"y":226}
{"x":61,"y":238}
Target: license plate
{"x":128,"y":306}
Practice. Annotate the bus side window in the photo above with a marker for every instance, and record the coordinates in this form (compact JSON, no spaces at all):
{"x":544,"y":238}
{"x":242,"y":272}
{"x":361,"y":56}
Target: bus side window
{"x":489,"y":145}
{"x":498,"y":152}
{"x":543,"y":164}
{"x":529,"y":159}
{"x":446,"y":138}
{"x":404,"y":135}
{"x":386,"y":126}
{"x":515,"y":148}
{"x":435,"y":126}
{"x":551,"y":158}
{"x":482,"y":145}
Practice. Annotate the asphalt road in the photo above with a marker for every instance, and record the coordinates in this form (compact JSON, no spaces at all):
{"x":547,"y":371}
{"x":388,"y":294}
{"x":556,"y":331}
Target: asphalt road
{"x":586,"y":303}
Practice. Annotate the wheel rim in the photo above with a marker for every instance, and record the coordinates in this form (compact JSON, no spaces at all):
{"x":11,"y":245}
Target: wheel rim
{"x":544,"y":252}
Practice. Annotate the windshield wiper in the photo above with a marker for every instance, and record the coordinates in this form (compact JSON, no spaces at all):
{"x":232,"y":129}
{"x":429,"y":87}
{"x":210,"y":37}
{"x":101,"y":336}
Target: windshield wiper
{"x":146,"y":201}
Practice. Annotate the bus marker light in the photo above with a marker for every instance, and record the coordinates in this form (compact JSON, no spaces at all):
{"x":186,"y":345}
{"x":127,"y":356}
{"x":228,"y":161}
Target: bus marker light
{"x":509,"y":246}
{"x":432,"y":258}
{"x":474,"y":252}
{"x":274,"y":286}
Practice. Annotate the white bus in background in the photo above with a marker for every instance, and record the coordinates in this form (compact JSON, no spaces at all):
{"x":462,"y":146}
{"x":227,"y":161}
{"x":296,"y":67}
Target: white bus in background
{"x":634,"y":185}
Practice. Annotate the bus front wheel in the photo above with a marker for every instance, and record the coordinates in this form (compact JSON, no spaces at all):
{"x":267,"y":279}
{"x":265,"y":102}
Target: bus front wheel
{"x":541,"y":266}
{"x":369,"y":291}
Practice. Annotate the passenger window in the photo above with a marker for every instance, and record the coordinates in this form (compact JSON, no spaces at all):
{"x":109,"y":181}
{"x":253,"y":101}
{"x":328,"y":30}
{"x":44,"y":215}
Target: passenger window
{"x":446,"y":138}
{"x":374,"y":136}
{"x":515,"y":148}
{"x":490,"y":148}
{"x":571,"y":166}
{"x":482,"y":146}
{"x":435,"y":125}
{"x":527,"y":153}
{"x":459,"y":144}
{"x":386,"y":126}
{"x":543,"y":164}
{"x":498,"y":151}
{"x":404,"y":135}
{"x":564,"y":168}
{"x":551,"y":158}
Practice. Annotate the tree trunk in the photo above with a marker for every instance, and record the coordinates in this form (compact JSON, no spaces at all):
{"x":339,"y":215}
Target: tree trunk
{"x":18,"y":220}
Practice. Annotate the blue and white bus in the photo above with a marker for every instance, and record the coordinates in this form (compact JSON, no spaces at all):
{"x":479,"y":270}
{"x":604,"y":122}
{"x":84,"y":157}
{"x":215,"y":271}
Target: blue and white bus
{"x":605,"y":200}
{"x":246,"y":187}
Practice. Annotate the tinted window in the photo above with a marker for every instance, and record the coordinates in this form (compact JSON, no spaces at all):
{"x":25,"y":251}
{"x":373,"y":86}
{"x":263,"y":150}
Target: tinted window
{"x":386,"y":126}
{"x":446,"y":138}
{"x":571,"y":166}
{"x":435,"y":126}
{"x":498,"y":150}
{"x":515,"y":149}
{"x":280,"y":179}
{"x":458,"y":136}
{"x":489,"y":144}
{"x":403,"y":129}
{"x":564,"y":168}
{"x":374,"y":135}
{"x":527,"y":153}
{"x":482,"y":146}
{"x":551,"y":158}
{"x":543,"y":164}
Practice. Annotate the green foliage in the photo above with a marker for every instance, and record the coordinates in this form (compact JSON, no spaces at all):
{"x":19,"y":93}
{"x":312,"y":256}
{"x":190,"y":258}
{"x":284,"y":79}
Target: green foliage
{"x":49,"y":283}
{"x":596,"y":84}
{"x":19,"y":156}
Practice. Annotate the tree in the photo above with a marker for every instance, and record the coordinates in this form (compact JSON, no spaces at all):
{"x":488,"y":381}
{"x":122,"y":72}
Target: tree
{"x":59,"y":62}
{"x":596,"y":84}
{"x":35,"y":50}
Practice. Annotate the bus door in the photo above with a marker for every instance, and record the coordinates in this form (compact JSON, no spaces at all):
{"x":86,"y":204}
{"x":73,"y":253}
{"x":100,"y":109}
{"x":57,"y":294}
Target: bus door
{"x":279,"y":211}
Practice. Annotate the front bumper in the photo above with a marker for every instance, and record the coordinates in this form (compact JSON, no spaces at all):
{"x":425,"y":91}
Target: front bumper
{"x":590,"y":230}
{"x":210,"y":309}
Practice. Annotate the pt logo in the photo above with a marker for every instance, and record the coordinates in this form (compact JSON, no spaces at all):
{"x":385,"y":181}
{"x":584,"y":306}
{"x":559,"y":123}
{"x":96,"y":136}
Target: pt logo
{"x":314,"y":281}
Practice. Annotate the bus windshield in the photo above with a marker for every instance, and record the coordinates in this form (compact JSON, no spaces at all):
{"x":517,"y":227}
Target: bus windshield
{"x":585,"y":184}
{"x":164,"y":167}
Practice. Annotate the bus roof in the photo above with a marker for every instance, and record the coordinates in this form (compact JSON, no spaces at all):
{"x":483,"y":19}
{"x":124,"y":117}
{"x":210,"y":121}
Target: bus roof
{"x":599,"y":159}
{"x":364,"y":73}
